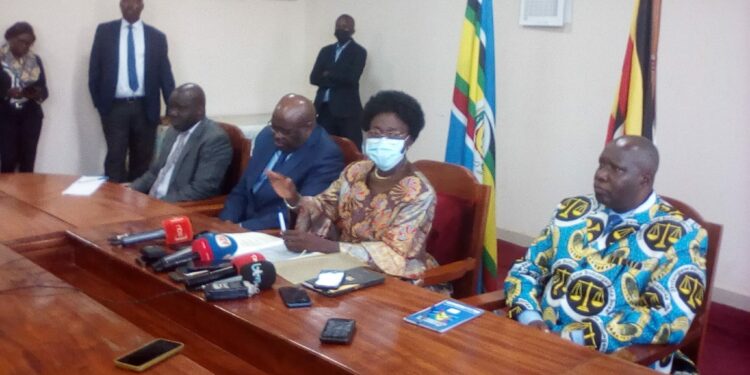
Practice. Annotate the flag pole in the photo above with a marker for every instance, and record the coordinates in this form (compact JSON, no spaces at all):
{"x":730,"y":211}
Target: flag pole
{"x":654,"y":47}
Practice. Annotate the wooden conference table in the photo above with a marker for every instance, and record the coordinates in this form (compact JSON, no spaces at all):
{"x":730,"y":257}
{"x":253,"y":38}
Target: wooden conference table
{"x":103,"y":303}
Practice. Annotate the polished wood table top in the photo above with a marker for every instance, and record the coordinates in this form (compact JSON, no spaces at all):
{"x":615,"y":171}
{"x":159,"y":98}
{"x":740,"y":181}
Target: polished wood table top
{"x":282,"y":340}
{"x":252,"y":336}
{"x":109,"y":204}
{"x":22,"y":220}
{"x":49,"y":326}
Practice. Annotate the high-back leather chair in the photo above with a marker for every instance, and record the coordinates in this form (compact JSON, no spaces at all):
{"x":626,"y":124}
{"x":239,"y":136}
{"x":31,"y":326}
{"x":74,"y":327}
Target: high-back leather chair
{"x":349,"y":149}
{"x":648,"y":354}
{"x":241,"y":149}
{"x":457,"y":235}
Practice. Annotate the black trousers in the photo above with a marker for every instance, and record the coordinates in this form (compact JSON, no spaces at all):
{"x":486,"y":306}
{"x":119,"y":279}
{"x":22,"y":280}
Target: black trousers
{"x":348,"y":127}
{"x":19,"y":136}
{"x":129,"y":137}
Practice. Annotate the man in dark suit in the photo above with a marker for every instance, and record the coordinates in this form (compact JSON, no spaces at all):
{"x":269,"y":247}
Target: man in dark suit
{"x":194,"y":154}
{"x":294,"y":146}
{"x":128,"y":67}
{"x":336,"y":73}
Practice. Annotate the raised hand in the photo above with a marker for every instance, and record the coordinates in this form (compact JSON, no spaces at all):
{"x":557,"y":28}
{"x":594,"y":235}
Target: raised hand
{"x":284,"y":187}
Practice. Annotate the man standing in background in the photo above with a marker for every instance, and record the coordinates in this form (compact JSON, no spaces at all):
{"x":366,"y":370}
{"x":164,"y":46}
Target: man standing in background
{"x":128,"y":68}
{"x":336,"y":73}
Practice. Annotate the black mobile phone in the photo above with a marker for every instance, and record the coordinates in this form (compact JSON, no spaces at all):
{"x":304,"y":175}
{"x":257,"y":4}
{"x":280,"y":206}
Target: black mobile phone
{"x":149,"y":355}
{"x":152,"y":253}
{"x":197,"y":266}
{"x":294,"y":296}
{"x":338,"y":331}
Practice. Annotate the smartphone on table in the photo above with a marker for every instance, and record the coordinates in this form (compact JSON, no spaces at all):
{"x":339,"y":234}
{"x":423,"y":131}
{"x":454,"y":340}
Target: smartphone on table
{"x":338,"y":331}
{"x":329,"y":279}
{"x":294,"y":296}
{"x":149,"y":355}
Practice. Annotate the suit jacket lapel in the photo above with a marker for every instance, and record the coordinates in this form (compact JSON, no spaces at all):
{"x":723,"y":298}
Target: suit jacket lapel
{"x":191,"y":147}
{"x":116,"y":43}
{"x":146,"y":57}
{"x":346,"y":53}
{"x":263,"y":153}
{"x":167,"y":143}
{"x":297,"y":156}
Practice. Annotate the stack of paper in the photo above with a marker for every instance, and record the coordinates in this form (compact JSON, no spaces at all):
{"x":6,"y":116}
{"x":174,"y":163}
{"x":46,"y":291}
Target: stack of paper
{"x":299,"y":270}
{"x":85,"y":185}
{"x":272,"y":247}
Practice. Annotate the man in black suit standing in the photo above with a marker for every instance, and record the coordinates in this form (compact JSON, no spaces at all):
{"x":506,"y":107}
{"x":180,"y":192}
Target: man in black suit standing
{"x":336,"y":73}
{"x":129,"y":66}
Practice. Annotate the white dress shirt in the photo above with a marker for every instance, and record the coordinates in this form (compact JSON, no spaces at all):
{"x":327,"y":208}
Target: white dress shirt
{"x":339,"y":49}
{"x":162,"y":182}
{"x":123,"y":86}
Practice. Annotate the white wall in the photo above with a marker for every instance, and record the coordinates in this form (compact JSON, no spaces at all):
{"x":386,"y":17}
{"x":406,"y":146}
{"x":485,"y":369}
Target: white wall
{"x":411,"y":46}
{"x":554,"y":86}
{"x":244,"y":53}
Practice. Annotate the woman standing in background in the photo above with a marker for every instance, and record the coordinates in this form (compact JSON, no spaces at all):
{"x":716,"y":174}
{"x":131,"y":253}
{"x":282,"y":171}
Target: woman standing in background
{"x":23,"y":88}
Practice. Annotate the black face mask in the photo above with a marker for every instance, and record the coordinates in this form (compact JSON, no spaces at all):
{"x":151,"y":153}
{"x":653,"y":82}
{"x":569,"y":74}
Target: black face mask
{"x":342,"y":36}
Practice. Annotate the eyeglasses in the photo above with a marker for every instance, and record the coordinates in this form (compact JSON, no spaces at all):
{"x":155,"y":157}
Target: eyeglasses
{"x":374,"y":133}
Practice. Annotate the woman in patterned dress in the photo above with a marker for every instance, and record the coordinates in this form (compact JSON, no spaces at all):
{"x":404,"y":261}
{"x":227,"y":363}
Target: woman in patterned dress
{"x":379,"y":210}
{"x":23,"y":88}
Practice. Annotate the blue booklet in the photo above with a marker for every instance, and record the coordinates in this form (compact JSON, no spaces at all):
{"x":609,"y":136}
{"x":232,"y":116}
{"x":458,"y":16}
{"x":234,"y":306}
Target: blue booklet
{"x":444,"y":315}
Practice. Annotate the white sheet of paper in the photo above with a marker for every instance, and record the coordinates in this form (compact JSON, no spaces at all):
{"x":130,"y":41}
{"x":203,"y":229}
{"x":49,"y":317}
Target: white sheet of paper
{"x":85,"y":185}
{"x":272,"y":247}
{"x":300,"y":269}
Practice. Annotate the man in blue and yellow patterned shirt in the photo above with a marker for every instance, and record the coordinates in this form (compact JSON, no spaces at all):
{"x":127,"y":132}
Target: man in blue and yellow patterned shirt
{"x":618,"y":268}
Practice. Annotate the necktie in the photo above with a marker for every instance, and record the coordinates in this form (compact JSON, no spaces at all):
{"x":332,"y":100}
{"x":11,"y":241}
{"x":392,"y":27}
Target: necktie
{"x":174,"y":154}
{"x":282,"y":159}
{"x":277,"y":160}
{"x":339,"y":48}
{"x":132,"y":75}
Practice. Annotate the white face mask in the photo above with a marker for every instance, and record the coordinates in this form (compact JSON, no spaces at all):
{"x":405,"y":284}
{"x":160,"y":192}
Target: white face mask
{"x":386,"y":153}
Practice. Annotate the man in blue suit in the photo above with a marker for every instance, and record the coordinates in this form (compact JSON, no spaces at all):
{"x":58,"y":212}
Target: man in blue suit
{"x":294,"y":146}
{"x":129,"y":65}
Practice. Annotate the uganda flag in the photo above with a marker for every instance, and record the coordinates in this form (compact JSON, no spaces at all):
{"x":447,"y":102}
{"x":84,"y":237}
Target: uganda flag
{"x":471,"y":135}
{"x":634,"y":110}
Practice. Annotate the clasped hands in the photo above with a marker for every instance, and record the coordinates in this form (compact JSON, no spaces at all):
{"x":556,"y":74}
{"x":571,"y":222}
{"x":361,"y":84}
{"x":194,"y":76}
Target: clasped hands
{"x":542,"y":326}
{"x":32,"y":93}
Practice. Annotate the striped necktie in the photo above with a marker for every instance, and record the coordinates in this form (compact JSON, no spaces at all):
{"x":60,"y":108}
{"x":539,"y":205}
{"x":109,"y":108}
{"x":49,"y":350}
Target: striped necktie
{"x":339,"y":48}
{"x":277,"y":160}
{"x":174,"y":154}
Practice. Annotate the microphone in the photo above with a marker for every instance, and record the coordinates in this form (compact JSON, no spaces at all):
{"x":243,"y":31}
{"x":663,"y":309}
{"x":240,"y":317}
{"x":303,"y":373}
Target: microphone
{"x":175,"y":230}
{"x":261,"y":274}
{"x":214,"y":247}
{"x":256,"y":276}
{"x":174,"y":260}
{"x":199,"y":250}
{"x":192,"y":282}
{"x":240,"y":260}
